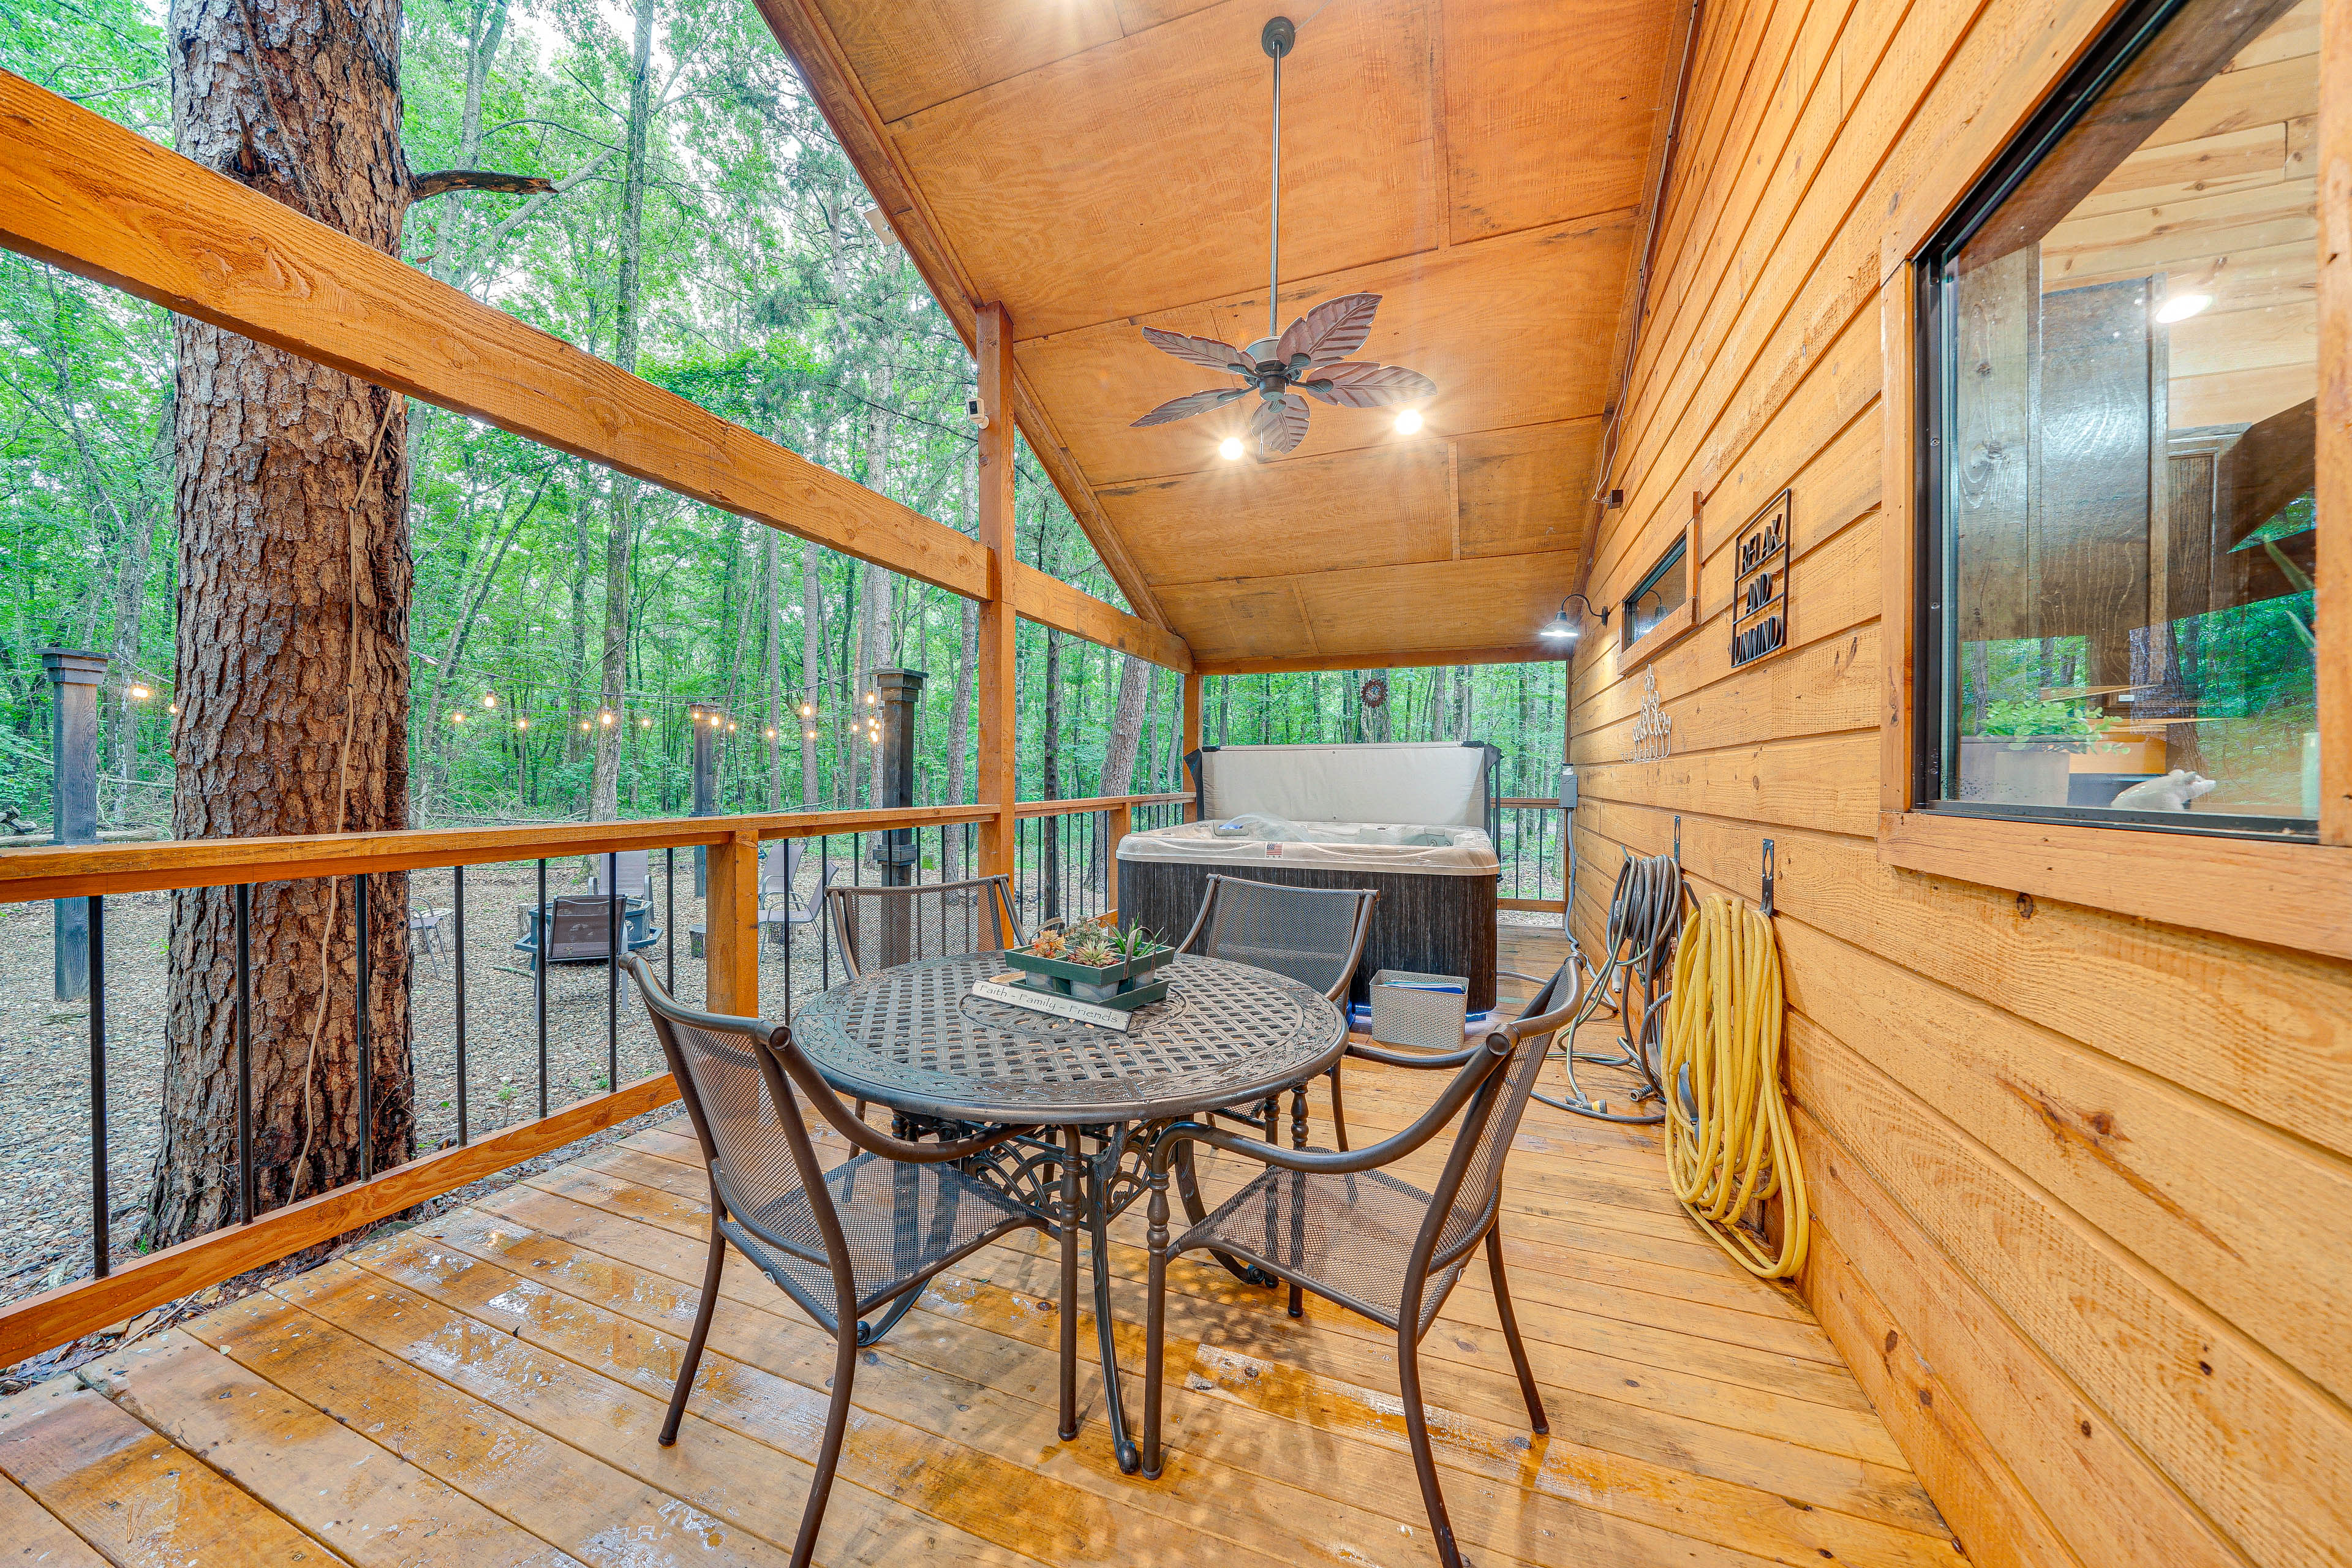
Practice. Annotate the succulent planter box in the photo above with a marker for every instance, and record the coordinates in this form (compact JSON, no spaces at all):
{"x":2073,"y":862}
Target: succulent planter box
{"x":1110,"y":984}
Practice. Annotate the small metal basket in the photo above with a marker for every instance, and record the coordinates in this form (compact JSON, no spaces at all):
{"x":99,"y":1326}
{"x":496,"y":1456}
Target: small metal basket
{"x":1404,"y":1015}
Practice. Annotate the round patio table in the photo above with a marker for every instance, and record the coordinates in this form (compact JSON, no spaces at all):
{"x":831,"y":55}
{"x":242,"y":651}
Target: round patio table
{"x":915,"y":1038}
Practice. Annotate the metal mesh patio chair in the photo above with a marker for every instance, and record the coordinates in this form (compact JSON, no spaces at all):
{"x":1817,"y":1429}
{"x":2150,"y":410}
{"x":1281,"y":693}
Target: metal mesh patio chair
{"x":1336,"y":1223}
{"x":842,"y":1243}
{"x":879,"y":927}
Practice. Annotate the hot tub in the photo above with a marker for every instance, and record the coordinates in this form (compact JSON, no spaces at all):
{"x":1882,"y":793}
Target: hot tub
{"x":1412,"y":822}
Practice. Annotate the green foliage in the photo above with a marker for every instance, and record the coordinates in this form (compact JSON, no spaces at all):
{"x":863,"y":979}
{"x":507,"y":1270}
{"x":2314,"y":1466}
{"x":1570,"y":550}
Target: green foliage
{"x":767,"y":298}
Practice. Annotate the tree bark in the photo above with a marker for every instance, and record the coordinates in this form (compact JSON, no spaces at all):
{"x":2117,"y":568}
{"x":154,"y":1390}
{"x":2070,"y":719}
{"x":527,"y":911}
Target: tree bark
{"x":811,"y":669}
{"x":294,"y":580}
{"x":775,"y":729}
{"x":603,"y":796}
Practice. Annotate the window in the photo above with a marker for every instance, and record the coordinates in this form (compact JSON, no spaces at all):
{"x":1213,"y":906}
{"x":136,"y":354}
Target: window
{"x":1664,"y":589}
{"x":2118,"y":363}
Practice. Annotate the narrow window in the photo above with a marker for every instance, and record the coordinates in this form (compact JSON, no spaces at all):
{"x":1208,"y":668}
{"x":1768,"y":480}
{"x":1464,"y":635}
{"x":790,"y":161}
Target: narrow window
{"x":1663,"y":589}
{"x":2118,"y":366}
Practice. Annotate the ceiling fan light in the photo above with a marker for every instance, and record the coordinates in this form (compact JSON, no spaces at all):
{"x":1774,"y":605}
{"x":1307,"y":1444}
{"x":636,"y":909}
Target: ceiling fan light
{"x":1230,"y":448}
{"x":1408,"y":422}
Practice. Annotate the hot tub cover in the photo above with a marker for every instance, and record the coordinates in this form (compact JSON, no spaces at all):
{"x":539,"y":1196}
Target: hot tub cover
{"x":1456,"y":851}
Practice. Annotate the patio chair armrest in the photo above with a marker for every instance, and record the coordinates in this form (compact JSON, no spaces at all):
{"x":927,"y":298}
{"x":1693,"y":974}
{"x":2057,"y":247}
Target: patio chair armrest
{"x":1372,"y":1053}
{"x":1483,"y":1061}
{"x":829,"y":1106}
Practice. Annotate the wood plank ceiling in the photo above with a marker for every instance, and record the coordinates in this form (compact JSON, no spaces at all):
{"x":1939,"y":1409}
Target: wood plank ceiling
{"x":1097,"y":166}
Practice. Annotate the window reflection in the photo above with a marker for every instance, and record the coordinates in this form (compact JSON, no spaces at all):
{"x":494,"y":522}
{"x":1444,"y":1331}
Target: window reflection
{"x":2127,"y":355}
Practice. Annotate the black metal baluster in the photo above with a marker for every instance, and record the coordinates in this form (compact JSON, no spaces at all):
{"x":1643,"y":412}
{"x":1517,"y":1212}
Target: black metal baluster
{"x":614,"y":909}
{"x":546,"y":929}
{"x":99,"y":1205}
{"x":669,"y":892}
{"x":243,"y":900}
{"x":824,"y":880}
{"x":457,"y":933}
{"x":367,"y":1079}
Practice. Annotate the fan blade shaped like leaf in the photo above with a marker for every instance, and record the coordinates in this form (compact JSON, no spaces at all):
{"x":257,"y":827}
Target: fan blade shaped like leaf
{"x":1279,"y":426}
{"x":1361,"y":385}
{"x":1331,"y":331}
{"x":1206,"y":352}
{"x":1191,"y":404}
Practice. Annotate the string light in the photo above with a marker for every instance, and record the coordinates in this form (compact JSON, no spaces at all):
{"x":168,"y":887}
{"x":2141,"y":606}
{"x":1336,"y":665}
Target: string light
{"x":730,"y":726}
{"x":808,"y":710}
{"x":174,"y":706}
{"x":871,"y":699}
{"x":457,"y":717}
{"x":585,"y":726}
{"x":522,"y":723}
{"x":140,"y":693}
{"x":606,"y":718}
{"x":772,"y":733}
{"x":810,"y":734}
{"x":645,"y":724}
{"x":489,"y":698}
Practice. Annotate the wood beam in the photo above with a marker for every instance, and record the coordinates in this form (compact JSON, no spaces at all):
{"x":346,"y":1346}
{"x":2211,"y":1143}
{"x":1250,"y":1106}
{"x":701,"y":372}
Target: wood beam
{"x":993,"y":363}
{"x":1051,"y":602}
{"x":1194,"y":683}
{"x":100,"y":201}
{"x":44,"y":871}
{"x":1410,"y":658}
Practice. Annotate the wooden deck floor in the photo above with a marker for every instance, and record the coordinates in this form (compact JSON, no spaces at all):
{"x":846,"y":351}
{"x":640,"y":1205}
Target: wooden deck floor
{"x":483,"y":1390}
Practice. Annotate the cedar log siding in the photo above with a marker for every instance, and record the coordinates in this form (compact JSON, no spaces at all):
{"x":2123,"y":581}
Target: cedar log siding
{"x":2079,"y":1180}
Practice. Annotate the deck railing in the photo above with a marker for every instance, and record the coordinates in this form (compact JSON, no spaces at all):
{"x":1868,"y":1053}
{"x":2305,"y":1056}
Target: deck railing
{"x":1530,"y":843}
{"x":1065,"y":862}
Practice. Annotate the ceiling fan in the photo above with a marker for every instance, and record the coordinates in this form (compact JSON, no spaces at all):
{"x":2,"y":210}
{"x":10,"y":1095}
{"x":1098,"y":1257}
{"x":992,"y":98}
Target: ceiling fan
{"x":1310,"y":357}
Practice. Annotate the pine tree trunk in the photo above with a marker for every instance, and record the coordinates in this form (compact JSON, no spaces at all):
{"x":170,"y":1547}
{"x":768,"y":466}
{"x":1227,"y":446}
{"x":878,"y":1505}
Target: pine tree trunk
{"x":603,"y":796}
{"x":812,"y":667}
{"x":775,"y":677}
{"x":292,"y":643}
{"x":1126,"y":728}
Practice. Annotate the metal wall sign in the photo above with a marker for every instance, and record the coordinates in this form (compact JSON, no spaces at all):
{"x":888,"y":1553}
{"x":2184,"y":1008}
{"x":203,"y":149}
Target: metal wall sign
{"x":1759,"y":586}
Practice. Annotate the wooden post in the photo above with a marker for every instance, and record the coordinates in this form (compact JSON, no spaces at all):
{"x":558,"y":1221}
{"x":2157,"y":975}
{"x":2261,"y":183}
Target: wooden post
{"x":2335,"y":455}
{"x":997,"y":786}
{"x":732,"y":982}
{"x":1122,"y":823}
{"x":1193,"y":681}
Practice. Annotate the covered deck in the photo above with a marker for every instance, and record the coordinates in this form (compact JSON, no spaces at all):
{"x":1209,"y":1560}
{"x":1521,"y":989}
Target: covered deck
{"x":483,"y":1390}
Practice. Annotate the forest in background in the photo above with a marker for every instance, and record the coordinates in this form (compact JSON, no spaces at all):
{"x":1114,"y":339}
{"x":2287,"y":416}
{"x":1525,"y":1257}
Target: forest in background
{"x":767,"y":292}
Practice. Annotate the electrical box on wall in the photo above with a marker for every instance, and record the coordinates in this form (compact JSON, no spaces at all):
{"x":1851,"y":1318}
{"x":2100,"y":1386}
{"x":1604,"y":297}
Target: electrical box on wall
{"x":1759,"y":587}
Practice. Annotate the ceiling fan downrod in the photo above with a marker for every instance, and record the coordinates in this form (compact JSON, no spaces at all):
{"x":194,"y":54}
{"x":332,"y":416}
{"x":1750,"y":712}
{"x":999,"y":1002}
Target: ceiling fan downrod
{"x":1278,"y":41}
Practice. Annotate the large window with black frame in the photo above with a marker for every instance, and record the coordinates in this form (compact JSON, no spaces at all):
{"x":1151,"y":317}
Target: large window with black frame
{"x":2119,"y":355}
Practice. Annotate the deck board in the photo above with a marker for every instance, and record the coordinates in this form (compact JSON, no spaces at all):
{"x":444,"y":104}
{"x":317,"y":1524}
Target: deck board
{"x":483,"y":1392}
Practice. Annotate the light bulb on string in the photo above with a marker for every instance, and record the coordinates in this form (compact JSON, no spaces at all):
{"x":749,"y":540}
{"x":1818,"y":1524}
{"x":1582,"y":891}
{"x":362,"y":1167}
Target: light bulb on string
{"x":522,"y":723}
{"x":140,"y":693}
{"x":457,"y":717}
{"x":772,"y":733}
{"x":645,"y":724}
{"x":585,"y":726}
{"x":606,"y":718}
{"x":489,"y":698}
{"x":172,"y":706}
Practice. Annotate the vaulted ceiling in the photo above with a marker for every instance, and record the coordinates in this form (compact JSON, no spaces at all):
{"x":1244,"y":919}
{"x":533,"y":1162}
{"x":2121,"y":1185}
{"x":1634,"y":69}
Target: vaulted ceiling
{"x":1099,"y":166}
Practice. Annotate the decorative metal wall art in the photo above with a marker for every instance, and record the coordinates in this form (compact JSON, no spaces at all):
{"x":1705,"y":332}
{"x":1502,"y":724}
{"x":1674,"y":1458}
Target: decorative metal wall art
{"x":1654,"y":730}
{"x":1759,"y":586}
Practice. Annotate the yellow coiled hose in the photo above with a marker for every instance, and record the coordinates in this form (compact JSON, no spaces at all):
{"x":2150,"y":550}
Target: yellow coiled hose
{"x":1728,"y":1143}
